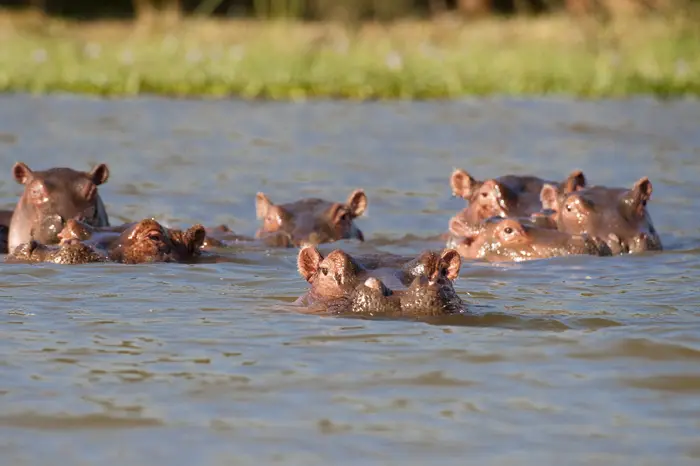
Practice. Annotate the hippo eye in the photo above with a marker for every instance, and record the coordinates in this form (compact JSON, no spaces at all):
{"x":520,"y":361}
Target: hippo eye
{"x":508,"y":230}
{"x":484,"y":195}
{"x":569,"y":208}
{"x":155,"y":236}
{"x":324,"y":270}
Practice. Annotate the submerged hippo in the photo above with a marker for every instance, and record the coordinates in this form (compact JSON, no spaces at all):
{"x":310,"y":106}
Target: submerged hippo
{"x":505,"y":196}
{"x":499,"y":239}
{"x":53,"y":196}
{"x":144,"y":241}
{"x":619,"y":216}
{"x":341,"y":284}
{"x":309,"y":221}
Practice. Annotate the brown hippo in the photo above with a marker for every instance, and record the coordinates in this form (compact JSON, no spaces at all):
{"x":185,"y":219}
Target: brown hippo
{"x":5,"y":217}
{"x":144,"y":241}
{"x":68,"y":253}
{"x":342,"y":284}
{"x":499,"y":239}
{"x":53,"y":196}
{"x":505,"y":196}
{"x":309,"y":221}
{"x":619,"y":216}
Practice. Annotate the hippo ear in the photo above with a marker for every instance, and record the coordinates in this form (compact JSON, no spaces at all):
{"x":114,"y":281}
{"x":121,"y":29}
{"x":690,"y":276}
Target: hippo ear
{"x":100,"y":174}
{"x":357,"y":202}
{"x":195,"y":237}
{"x":549,"y":197}
{"x":308,"y":261}
{"x":262,"y":204}
{"x":463,"y":185}
{"x":453,"y":261}
{"x":639,"y":195}
{"x":642,"y":189}
{"x":22,"y":173}
{"x":575,"y":181}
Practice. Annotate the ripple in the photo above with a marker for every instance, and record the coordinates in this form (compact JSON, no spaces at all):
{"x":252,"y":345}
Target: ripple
{"x":38,"y":421}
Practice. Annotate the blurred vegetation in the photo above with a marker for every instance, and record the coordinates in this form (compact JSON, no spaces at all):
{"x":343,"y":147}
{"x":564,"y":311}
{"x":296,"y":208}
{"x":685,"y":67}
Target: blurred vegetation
{"x":357,"y":49}
{"x":346,"y":10}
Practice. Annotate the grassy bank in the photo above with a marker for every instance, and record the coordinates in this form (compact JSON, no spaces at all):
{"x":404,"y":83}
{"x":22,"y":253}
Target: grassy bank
{"x":405,"y":60}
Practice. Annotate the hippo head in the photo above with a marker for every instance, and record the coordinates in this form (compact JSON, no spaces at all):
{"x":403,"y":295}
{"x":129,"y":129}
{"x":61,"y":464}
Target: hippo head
{"x":149,"y":241}
{"x":619,"y":216}
{"x":53,"y":196}
{"x":330,"y":277}
{"x":507,"y":196}
{"x":432,"y":293}
{"x":509,"y":239}
{"x":309,"y":221}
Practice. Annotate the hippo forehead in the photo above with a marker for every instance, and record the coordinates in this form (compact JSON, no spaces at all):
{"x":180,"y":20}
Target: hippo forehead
{"x":63,"y":180}
{"x":312,"y":207}
{"x":143,"y":226}
{"x":342,"y":261}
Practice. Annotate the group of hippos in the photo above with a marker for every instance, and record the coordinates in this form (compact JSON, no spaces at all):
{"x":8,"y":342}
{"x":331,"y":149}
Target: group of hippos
{"x":61,"y":218}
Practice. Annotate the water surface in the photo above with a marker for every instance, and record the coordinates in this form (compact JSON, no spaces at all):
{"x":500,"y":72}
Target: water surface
{"x":577,"y":360}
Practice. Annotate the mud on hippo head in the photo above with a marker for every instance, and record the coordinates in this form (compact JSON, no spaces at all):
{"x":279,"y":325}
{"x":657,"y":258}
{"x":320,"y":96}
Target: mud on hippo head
{"x":149,"y":241}
{"x":506,"y":196}
{"x":429,"y":293}
{"x":510,"y":239}
{"x":53,"y":196}
{"x":309,"y":221}
{"x":618,"y":216}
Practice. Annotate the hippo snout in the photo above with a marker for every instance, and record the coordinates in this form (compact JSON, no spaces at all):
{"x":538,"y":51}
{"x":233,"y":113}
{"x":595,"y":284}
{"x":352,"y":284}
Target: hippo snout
{"x":596,"y":246}
{"x":644,"y":242}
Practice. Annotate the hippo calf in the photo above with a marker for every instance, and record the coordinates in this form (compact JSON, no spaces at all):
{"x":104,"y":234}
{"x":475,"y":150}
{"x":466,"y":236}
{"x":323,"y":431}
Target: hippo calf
{"x":340,"y":284}
{"x":505,"y":196}
{"x":310,"y":220}
{"x":53,"y":196}
{"x":141,"y":242}
{"x":619,"y":216}
{"x":499,"y":239}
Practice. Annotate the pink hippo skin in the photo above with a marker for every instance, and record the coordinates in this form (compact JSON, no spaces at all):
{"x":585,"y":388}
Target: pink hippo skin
{"x":505,"y":196}
{"x":618,"y":216}
{"x":501,"y":239}
{"x":309,"y":221}
{"x":53,"y":196}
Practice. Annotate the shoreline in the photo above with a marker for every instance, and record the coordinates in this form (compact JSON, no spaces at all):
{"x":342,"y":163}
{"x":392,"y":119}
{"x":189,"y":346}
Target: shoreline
{"x":408,"y":60}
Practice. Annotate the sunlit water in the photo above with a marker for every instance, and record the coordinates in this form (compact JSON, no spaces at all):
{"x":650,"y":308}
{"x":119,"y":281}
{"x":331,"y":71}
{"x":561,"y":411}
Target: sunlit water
{"x":578,"y":360}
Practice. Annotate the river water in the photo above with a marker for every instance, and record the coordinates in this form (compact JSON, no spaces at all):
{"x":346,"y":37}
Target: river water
{"x":579,"y":360}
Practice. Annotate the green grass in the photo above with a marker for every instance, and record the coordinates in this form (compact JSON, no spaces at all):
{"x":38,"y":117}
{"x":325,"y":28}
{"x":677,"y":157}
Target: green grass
{"x":408,"y":60}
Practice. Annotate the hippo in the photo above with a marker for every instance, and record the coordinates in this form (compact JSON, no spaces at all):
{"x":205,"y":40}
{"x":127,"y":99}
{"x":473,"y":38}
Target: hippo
{"x":140,"y":242}
{"x":505,"y":196}
{"x":499,"y":239}
{"x":617,"y":215}
{"x":53,"y":196}
{"x":5,"y":217}
{"x":341,"y":284}
{"x":310,"y":220}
